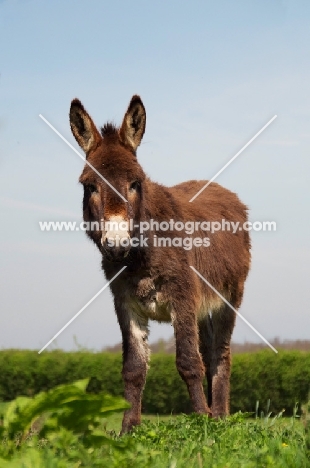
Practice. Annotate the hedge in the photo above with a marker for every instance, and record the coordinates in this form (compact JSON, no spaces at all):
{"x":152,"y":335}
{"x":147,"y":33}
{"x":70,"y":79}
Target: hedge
{"x":282,"y":378}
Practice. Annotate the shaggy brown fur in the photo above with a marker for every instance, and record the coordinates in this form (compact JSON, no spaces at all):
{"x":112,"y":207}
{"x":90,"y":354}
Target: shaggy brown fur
{"x":158,"y":283}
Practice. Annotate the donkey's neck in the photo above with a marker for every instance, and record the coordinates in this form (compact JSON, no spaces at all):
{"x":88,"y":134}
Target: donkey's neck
{"x":159,"y":203}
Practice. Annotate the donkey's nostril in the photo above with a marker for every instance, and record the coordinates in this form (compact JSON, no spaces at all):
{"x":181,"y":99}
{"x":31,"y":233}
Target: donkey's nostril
{"x":116,"y":247}
{"x":110,"y":243}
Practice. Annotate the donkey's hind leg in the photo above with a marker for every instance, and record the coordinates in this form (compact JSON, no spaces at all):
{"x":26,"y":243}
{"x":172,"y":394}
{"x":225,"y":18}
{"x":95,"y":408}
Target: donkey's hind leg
{"x":215,"y":336}
{"x":205,"y":348}
{"x":189,"y":361}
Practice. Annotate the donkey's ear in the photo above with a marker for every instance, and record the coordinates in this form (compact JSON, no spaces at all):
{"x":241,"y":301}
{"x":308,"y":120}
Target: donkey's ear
{"x":133,"y":126}
{"x":83,"y":128}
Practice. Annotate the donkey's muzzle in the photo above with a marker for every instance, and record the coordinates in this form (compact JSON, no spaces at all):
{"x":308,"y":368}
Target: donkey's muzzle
{"x":117,"y":247}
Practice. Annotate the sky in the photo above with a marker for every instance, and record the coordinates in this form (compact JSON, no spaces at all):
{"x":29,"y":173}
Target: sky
{"x":211,"y":75}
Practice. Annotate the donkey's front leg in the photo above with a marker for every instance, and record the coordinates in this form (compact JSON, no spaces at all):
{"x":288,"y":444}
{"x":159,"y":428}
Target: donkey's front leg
{"x":188,"y":359}
{"x":135,"y":363}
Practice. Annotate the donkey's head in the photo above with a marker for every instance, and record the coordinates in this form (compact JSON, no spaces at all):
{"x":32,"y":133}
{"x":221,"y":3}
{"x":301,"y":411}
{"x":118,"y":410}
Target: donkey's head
{"x":112,"y":177}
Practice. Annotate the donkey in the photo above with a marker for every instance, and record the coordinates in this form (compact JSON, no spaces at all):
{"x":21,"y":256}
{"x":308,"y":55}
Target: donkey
{"x":158,"y":283}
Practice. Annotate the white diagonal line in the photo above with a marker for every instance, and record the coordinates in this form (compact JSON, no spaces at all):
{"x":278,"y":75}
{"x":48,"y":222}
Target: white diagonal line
{"x":83,"y":308}
{"x":238,"y":313}
{"x":82,"y":157}
{"x":233,"y":158}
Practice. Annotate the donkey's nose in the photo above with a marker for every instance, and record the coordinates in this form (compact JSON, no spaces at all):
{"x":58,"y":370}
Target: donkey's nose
{"x":116,"y":248}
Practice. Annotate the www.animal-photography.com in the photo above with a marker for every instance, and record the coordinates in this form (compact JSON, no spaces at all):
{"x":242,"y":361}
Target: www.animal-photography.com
{"x":154,"y":244}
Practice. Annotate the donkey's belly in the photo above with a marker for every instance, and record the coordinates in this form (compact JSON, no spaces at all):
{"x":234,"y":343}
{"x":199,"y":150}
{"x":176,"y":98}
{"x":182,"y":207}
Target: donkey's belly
{"x":147,"y":300}
{"x":154,"y":308}
{"x":209,"y":304}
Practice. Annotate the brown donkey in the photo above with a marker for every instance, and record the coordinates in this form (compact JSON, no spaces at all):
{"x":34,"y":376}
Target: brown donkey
{"x":158,"y":283}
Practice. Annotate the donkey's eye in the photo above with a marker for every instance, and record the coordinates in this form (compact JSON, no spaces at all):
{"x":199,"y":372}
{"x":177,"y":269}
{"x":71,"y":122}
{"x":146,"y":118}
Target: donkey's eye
{"x":134,"y":186}
{"x":91,"y":188}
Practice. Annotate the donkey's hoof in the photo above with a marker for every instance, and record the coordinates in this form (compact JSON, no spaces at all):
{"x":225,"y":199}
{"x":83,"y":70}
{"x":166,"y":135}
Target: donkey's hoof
{"x":128,"y":426}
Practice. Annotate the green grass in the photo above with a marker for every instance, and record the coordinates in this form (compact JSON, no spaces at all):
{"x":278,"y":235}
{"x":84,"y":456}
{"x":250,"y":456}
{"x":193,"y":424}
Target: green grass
{"x":114,"y":422}
{"x":195,"y":441}
{"x":70,"y":428}
{"x":2,"y":406}
{"x":177,"y":442}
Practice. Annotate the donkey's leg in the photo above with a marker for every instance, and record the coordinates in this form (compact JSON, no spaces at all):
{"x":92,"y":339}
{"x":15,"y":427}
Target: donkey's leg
{"x":205,"y":346}
{"x":135,"y":364}
{"x":223,"y":322}
{"x":188,"y":360}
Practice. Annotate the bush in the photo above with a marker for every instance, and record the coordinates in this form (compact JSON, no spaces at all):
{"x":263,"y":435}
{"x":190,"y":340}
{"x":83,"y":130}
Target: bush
{"x":283,"y":378}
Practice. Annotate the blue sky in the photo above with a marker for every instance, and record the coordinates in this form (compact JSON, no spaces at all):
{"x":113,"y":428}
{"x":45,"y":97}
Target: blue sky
{"x":210,"y":74}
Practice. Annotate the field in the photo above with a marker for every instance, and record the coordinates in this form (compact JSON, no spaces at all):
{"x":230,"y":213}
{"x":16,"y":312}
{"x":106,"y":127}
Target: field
{"x":182,"y":441}
{"x":70,"y":428}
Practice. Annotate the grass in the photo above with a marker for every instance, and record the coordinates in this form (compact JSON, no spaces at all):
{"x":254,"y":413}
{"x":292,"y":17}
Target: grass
{"x":114,"y":422}
{"x":176,"y":442}
{"x":2,"y":406}
{"x":78,"y":429}
{"x":196,"y":441}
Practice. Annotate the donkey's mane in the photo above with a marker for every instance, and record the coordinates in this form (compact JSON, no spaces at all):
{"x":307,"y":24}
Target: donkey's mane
{"x":108,"y":129}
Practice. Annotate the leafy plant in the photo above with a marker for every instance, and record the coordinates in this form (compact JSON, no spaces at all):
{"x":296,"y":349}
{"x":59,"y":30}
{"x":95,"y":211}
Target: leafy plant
{"x":68,"y":407}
